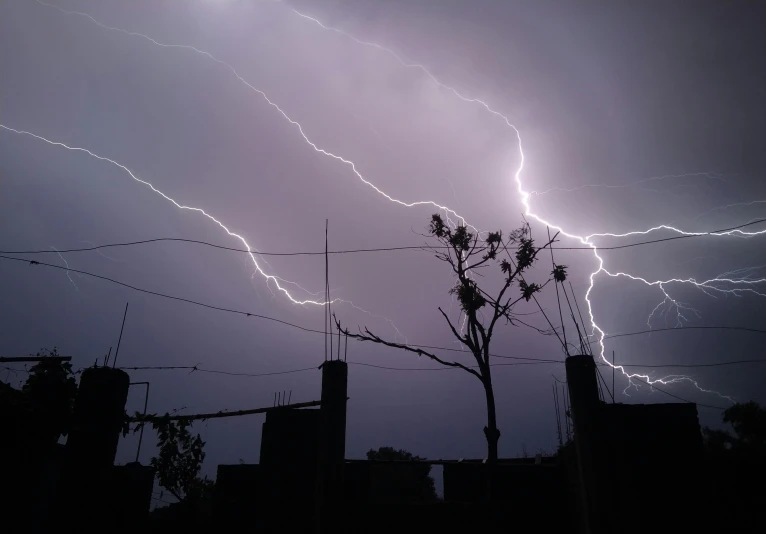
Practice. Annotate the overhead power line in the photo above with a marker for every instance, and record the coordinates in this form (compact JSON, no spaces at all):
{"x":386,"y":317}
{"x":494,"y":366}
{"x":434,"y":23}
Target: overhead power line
{"x":163,"y":295}
{"x":347,"y":251}
{"x":218,"y":415}
{"x":449,"y":368}
{"x":650,"y":331}
{"x":197,"y":368}
{"x":220,"y":247}
{"x":315,"y":331}
{"x":718,"y":364}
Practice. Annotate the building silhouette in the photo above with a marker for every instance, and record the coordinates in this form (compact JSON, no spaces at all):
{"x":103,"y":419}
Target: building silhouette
{"x":629,"y":468}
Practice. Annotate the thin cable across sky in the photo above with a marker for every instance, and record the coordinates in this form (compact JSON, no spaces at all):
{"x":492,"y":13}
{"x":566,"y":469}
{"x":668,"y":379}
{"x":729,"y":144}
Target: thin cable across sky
{"x":34,"y":263}
{"x":425,"y":248}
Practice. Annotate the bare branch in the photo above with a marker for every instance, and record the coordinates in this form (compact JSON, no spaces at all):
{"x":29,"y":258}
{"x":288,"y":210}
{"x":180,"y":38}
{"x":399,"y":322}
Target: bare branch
{"x":465,"y":340}
{"x":369,"y":336}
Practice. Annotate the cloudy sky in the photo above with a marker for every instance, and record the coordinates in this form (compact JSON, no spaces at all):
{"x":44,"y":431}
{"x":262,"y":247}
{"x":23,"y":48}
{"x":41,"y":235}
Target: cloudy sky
{"x":630,"y":116}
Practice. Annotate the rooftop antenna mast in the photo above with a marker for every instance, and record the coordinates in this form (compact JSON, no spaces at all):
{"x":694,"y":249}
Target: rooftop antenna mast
{"x":558,"y":299}
{"x":558,"y":413}
{"x":116,"y":352}
{"x":328,"y":314}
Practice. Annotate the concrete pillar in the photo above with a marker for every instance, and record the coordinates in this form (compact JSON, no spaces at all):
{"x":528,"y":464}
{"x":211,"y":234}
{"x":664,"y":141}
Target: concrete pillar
{"x":584,"y":407}
{"x":333,"y":410}
{"x":99,"y":414}
{"x":332,"y":444}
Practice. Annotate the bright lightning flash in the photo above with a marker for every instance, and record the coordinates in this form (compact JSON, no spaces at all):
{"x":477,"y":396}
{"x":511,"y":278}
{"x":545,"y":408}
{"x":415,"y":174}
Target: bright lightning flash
{"x":711,"y":287}
{"x":733,"y":284}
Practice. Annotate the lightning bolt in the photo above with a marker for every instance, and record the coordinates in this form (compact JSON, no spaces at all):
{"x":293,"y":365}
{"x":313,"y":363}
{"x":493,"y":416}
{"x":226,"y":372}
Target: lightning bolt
{"x":729,"y":206}
{"x":252,"y":252}
{"x":525,"y":196}
{"x":66,"y":263}
{"x":271,"y":103}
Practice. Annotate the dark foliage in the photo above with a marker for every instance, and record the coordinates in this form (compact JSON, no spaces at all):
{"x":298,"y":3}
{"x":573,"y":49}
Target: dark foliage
{"x":736,"y":469}
{"x":41,"y":411}
{"x":179,"y":460}
{"x":406,"y":480}
{"x":49,"y":393}
{"x":749,"y":423}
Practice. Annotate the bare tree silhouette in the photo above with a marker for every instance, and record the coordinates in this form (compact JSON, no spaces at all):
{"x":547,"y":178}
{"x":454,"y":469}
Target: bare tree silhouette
{"x":465,"y":252}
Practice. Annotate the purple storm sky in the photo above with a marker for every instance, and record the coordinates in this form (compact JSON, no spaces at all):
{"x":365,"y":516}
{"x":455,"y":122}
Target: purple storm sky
{"x":655,"y":108}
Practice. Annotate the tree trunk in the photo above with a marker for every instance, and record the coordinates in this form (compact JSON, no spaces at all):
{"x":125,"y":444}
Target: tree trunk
{"x":490,"y":431}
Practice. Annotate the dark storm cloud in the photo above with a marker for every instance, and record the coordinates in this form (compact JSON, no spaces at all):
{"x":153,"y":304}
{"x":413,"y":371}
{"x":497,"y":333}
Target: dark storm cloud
{"x":602,"y":94}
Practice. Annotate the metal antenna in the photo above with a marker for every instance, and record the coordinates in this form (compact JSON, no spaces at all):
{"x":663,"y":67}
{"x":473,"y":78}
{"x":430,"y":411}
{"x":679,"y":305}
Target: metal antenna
{"x":566,"y":411}
{"x":606,"y":387}
{"x":106,"y":361}
{"x":327,"y":282}
{"x":120,"y":340}
{"x":326,"y":262}
{"x":290,"y":397}
{"x":614,"y":393}
{"x":561,"y":317}
{"x":146,"y":404}
{"x":598,"y":383}
{"x":580,"y":314}
{"x":345,"y":353}
{"x":558,"y":417}
{"x":583,"y":349}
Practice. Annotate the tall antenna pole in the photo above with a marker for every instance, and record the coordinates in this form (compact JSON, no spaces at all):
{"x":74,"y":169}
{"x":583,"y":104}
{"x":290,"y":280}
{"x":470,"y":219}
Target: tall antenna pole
{"x":561,"y":316}
{"x":558,"y":416}
{"x":577,"y":326}
{"x":327,"y":285}
{"x":613,"y":366}
{"x":566,"y":411}
{"x":326,"y":263}
{"x":120,"y":339}
{"x":580,"y":314}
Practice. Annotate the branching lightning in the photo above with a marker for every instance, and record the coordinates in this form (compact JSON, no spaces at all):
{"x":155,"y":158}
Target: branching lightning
{"x":729,"y":206}
{"x":271,"y":103}
{"x":269,"y":278}
{"x":66,"y":263}
{"x":710,"y":287}
{"x":732,"y":283}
